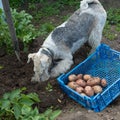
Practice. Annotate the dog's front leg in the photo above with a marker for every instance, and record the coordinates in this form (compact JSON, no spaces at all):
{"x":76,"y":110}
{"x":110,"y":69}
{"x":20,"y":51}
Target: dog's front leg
{"x":61,"y":67}
{"x":36,"y":77}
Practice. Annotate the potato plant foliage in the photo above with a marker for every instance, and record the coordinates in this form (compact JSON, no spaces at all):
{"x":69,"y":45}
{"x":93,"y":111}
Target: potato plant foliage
{"x":25,"y":30}
{"x":16,"y":105}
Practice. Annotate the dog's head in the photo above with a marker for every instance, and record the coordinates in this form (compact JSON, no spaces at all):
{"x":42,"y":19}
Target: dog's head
{"x":41,"y":66}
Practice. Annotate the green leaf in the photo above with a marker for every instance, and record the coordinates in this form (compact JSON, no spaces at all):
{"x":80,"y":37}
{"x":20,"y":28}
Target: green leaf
{"x":35,"y":111}
{"x":55,"y":114}
{"x":17,"y":110}
{"x":27,"y":101}
{"x":43,"y":117}
{"x":6,"y":95}
{"x":5,"y":104}
{"x":38,"y":118}
{"x":34,"y":96}
{"x":26,"y":110}
{"x":23,"y":88}
{"x":48,"y":112}
{"x":15,"y":94}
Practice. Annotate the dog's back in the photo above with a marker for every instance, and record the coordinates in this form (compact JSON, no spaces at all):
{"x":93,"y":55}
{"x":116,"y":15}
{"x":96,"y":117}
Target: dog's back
{"x":85,"y":25}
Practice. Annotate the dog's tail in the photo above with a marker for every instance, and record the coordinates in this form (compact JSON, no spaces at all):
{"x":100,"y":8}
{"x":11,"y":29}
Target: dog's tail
{"x":85,"y":3}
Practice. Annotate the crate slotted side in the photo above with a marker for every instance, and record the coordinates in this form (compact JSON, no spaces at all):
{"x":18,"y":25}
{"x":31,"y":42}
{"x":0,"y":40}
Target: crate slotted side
{"x":105,"y":63}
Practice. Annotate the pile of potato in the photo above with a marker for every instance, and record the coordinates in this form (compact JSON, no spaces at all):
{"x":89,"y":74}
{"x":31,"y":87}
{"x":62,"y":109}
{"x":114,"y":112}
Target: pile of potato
{"x":86,"y":84}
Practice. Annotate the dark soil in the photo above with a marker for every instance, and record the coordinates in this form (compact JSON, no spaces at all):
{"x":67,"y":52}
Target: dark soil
{"x":17,"y":75}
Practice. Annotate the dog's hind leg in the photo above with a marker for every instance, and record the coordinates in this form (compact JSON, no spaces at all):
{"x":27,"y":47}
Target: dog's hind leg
{"x":94,"y":40}
{"x":61,"y":67}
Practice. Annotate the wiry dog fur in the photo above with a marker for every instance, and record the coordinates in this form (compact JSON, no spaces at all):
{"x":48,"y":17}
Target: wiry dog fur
{"x":85,"y":25}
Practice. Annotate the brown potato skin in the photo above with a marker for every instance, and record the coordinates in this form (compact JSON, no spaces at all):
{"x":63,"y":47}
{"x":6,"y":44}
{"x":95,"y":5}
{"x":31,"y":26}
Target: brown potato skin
{"x":93,"y":81}
{"x":86,"y":77}
{"x":72,"y":85}
{"x":86,"y":84}
{"x":79,"y":89}
{"x":79,"y":76}
{"x":72,"y":77}
{"x":97,"y":80}
{"x":97,"y":89}
{"x":103,"y":82}
{"x":81,"y":82}
{"x":89,"y":91}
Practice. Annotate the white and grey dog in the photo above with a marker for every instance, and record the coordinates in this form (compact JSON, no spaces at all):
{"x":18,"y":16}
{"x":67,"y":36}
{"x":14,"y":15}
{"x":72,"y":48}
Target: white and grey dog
{"x":85,"y":25}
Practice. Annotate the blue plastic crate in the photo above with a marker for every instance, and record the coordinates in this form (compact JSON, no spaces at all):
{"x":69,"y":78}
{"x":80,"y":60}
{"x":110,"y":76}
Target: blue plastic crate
{"x":105,"y":63}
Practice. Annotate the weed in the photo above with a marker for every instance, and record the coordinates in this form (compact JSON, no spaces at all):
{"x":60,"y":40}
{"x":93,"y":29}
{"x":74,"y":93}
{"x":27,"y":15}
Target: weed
{"x":118,"y":27}
{"x":64,"y":18}
{"x":113,"y":21}
{"x":113,"y":16}
{"x":46,"y":28}
{"x":49,"y":87}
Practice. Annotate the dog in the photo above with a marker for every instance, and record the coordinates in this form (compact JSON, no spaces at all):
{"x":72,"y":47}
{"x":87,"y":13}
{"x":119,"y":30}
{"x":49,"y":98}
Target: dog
{"x":56,"y":53}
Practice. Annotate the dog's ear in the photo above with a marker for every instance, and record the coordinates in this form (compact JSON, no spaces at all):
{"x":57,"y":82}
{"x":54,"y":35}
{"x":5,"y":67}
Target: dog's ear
{"x":31,"y":56}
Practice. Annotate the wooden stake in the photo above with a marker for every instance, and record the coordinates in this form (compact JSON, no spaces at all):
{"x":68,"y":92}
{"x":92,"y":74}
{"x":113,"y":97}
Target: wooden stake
{"x":6,"y":8}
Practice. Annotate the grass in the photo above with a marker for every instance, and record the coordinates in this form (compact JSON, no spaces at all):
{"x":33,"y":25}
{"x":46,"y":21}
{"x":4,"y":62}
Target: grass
{"x":112,"y":27}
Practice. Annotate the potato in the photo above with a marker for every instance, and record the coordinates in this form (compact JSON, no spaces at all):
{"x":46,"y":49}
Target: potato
{"x":72,"y":77}
{"x":79,"y":89}
{"x":97,"y":89}
{"x":72,"y":85}
{"x":89,"y":91}
{"x":93,"y":81}
{"x":103,"y":83}
{"x":97,"y":80}
{"x":81,"y":82}
{"x":79,"y":76}
{"x":86,"y":77}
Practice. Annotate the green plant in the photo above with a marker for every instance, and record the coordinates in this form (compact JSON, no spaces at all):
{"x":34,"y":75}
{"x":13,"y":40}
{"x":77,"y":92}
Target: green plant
{"x":112,"y":26}
{"x":108,"y":33}
{"x":113,"y":16}
{"x":46,"y":28}
{"x":52,"y":9}
{"x":24,"y":27}
{"x":16,"y":3}
{"x":49,"y":87}
{"x":5,"y":40}
{"x":49,"y":114}
{"x":16,"y":105}
{"x":64,"y":18}
{"x":118,"y":27}
{"x":70,"y":2}
{"x":25,"y":30}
